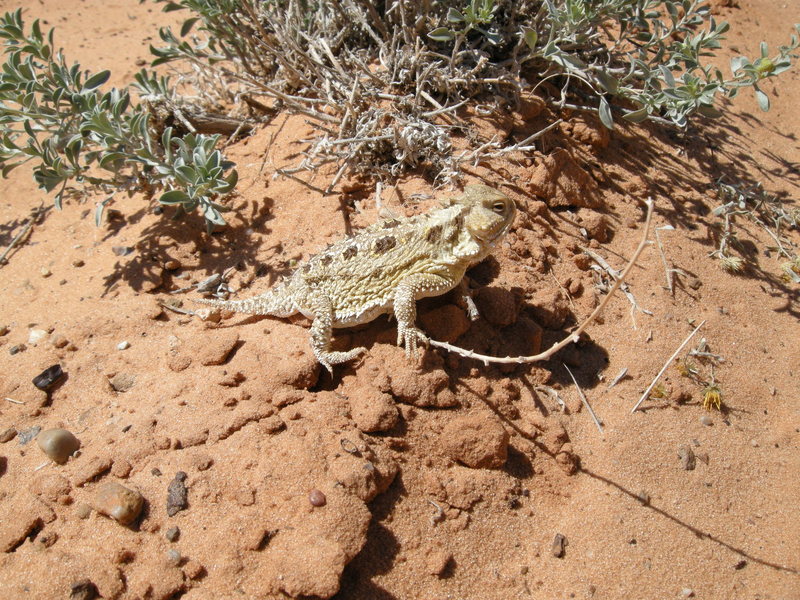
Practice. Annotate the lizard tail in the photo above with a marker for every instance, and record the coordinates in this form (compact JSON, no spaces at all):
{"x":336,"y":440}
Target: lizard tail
{"x":276,"y":302}
{"x":250,"y":306}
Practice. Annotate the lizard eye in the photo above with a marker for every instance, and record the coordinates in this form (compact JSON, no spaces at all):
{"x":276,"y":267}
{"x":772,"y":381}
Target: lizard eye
{"x":499,"y":207}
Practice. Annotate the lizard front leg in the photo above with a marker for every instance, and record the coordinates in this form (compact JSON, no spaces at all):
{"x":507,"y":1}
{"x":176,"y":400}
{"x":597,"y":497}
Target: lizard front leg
{"x":418,"y":285}
{"x":321,"y":333}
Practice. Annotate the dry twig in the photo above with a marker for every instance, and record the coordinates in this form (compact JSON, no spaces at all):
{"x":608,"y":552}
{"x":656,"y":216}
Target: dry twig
{"x":664,"y":368}
{"x":584,"y":400}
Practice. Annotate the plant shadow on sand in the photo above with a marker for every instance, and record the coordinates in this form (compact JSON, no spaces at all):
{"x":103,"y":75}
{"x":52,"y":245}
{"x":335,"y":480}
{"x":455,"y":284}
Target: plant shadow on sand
{"x":238,"y":245}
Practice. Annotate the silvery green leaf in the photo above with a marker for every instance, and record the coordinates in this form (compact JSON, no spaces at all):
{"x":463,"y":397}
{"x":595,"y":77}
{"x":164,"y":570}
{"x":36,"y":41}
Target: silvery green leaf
{"x":530,"y":36}
{"x":453,"y":16}
{"x":763,"y":99}
{"x":667,"y":74}
{"x":607,"y":82}
{"x":98,"y":214}
{"x":604,"y":110}
{"x":187,"y":25}
{"x":636,"y":116}
{"x":441,"y":34}
{"x":96,"y":80}
{"x":174,"y":197}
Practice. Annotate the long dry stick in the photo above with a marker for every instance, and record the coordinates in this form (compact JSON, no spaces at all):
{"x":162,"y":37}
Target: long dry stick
{"x":574,"y":336}
{"x":585,"y":401}
{"x":664,"y":368}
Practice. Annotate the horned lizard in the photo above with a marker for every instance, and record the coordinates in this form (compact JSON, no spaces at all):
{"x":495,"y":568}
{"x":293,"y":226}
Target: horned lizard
{"x":387,"y":267}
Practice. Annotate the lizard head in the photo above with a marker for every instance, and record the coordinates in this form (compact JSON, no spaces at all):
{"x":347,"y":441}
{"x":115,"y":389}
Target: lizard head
{"x":489,"y":213}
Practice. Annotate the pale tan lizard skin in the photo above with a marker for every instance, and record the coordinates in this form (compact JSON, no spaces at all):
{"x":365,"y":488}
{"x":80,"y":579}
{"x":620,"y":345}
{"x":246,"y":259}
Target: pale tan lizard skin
{"x":387,"y":267}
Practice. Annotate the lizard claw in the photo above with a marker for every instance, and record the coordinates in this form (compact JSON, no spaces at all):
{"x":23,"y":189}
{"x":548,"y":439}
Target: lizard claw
{"x":410,"y":338}
{"x":328,"y":359}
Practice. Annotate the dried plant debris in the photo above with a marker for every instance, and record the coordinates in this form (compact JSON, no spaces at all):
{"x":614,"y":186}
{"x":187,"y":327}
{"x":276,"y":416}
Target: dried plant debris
{"x":382,"y":83}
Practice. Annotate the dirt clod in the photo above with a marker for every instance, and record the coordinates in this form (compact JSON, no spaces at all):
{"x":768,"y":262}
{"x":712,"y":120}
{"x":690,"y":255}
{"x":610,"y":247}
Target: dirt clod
{"x":83,"y":590}
{"x":476,"y":441}
{"x":177,"y":494}
{"x":90,"y":469}
{"x":497,"y":305}
{"x":446,"y":323}
{"x":686,"y":454}
{"x":375,"y":411}
{"x":559,"y":545}
{"x":122,"y":382}
{"x":215,"y":349}
{"x":560,"y":182}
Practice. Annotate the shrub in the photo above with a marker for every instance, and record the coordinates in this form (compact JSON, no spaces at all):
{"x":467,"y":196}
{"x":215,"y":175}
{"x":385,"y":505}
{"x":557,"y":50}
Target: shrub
{"x":55,"y":115}
{"x":376,"y":77}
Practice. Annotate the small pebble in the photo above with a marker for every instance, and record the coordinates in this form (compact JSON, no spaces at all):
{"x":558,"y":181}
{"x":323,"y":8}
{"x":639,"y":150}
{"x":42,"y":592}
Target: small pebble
{"x":122,"y":382}
{"x":16,"y":349}
{"x":687,"y":593}
{"x":83,"y":590}
{"x":58,"y":444}
{"x":118,"y":502}
{"x":177,"y":494}
{"x":317,"y":498}
{"x":706,"y":420}
{"x":26,"y":436}
{"x":48,"y":378}
{"x":687,"y":457}
{"x":3,"y":329}
{"x":78,"y":262}
{"x":172,"y":265}
{"x":59,"y":341}
{"x":173,"y":533}
{"x":45,"y":272}
{"x":559,"y":544}
{"x":173,"y":557}
{"x":754,"y":443}
{"x":36,"y":335}
{"x":124,"y":345}
{"x":83,"y":510}
{"x":122,"y":250}
{"x":8,"y":435}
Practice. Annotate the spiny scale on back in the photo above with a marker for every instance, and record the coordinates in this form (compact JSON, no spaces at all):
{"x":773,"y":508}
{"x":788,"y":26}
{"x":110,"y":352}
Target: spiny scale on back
{"x":387,"y":267}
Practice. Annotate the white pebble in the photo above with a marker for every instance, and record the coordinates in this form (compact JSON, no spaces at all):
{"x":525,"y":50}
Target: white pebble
{"x":35,"y":336}
{"x":173,"y":557}
{"x":123,"y":345}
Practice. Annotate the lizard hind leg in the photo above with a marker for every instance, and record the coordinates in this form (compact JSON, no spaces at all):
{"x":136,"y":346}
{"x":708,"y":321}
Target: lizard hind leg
{"x":321,"y":334}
